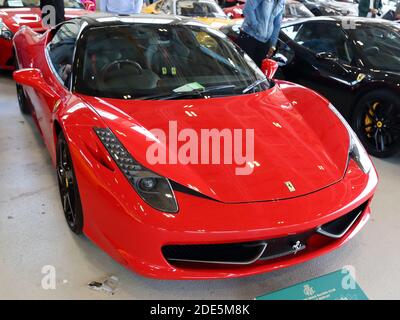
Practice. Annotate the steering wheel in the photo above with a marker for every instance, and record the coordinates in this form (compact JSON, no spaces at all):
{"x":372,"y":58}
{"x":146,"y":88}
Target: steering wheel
{"x":107,"y":71}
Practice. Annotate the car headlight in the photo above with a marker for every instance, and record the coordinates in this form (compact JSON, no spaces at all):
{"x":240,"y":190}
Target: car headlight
{"x":356,"y":149}
{"x":152,"y":188}
{"x":5,"y":33}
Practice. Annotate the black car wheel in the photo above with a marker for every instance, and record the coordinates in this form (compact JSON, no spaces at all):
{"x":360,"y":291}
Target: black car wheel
{"x":376,"y":120}
{"x":22,"y":100}
{"x":68,"y":186}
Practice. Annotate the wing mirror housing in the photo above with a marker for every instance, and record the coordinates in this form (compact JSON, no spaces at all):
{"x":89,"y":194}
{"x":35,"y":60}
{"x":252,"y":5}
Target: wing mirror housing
{"x":326,"y":56}
{"x":32,"y":77}
{"x":269,"y":68}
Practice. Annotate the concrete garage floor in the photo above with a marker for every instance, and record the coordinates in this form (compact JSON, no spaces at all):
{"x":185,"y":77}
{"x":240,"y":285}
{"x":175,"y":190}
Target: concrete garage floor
{"x":33,"y":234}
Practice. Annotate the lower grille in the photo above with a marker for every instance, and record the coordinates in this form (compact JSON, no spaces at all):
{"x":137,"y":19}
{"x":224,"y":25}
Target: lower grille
{"x":236,"y":253}
{"x":246,"y":253}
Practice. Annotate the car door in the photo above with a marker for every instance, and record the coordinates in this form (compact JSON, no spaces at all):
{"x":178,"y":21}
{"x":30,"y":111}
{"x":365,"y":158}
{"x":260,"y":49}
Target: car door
{"x":322,"y":58}
{"x":56,"y":69}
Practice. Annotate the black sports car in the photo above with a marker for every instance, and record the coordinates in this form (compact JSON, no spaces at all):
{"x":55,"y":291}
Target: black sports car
{"x":354,"y":63}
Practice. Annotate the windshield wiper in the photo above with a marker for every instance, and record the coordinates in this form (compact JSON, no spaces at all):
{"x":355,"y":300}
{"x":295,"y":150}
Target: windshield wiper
{"x":254,"y":84}
{"x":196,"y":93}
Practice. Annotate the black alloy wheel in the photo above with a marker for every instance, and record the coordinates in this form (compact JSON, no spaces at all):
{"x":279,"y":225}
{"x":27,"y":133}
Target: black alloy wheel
{"x":23,"y":103}
{"x":376,"y":120}
{"x":68,"y":186}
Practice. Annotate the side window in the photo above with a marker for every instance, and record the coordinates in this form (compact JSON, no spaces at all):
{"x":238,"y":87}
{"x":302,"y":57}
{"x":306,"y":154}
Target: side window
{"x":322,"y":37}
{"x":61,"y":50}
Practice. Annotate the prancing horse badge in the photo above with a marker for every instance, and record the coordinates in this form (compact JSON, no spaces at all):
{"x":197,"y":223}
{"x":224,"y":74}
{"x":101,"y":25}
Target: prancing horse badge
{"x":290,"y":186}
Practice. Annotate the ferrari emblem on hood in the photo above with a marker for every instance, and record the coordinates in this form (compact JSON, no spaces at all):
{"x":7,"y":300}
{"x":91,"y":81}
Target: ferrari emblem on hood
{"x":360,"y":77}
{"x":290,"y":186}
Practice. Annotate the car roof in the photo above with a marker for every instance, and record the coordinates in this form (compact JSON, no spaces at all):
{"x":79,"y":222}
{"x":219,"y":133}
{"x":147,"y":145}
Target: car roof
{"x":344,"y":20}
{"x":108,"y":19}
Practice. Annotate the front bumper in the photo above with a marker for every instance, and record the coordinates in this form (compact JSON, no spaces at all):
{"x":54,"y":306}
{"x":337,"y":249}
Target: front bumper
{"x":134,"y":234}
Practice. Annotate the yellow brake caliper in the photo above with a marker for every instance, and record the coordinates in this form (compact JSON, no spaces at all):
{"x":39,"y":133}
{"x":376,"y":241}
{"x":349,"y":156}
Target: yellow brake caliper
{"x":368,"y":120}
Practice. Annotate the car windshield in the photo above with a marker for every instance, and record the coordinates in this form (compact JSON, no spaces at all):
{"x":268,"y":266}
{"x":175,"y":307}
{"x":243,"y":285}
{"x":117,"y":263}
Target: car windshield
{"x":74,"y":4}
{"x":192,"y":8}
{"x":380,"y":46}
{"x":144,"y":61}
{"x":297,"y":10}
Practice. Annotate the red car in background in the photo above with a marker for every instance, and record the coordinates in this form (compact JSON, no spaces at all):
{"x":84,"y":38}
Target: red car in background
{"x":98,"y":85}
{"x":17,"y":13}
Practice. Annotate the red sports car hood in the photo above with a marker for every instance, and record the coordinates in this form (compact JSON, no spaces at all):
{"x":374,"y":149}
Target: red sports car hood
{"x":299,"y":146}
{"x":31,"y":17}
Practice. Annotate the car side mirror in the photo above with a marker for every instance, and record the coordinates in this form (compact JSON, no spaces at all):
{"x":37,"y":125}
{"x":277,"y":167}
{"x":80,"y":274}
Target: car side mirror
{"x":326,"y":56}
{"x":269,"y":68}
{"x":32,"y":77}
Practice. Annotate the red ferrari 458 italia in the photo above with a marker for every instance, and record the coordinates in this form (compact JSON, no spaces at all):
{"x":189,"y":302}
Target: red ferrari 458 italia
{"x":103,"y":89}
{"x":17,"y":13}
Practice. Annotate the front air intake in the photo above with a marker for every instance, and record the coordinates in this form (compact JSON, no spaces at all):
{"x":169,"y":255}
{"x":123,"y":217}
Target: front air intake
{"x":236,"y":253}
{"x":339,"y":227}
{"x":246,"y":253}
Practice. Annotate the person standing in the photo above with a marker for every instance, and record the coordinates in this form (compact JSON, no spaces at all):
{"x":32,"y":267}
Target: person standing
{"x":59,"y":11}
{"x":369,"y":8}
{"x":121,"y":6}
{"x":260,"y":29}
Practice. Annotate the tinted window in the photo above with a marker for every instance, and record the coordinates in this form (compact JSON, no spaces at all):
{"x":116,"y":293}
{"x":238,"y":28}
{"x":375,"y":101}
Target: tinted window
{"x":380,"y":45}
{"x":61,"y":49}
{"x":144,"y":60}
{"x":322,"y":37}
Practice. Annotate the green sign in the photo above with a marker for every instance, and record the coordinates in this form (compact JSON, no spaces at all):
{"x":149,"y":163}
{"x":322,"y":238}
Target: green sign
{"x":338,"y":285}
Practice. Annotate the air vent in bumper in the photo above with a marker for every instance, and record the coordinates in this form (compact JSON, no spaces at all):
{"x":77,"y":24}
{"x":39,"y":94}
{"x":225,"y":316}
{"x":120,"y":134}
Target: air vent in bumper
{"x":339,"y":227}
{"x":246,"y":253}
{"x":236,"y":253}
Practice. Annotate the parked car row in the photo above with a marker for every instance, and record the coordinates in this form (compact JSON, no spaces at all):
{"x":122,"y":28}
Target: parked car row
{"x":349,"y":67}
{"x":293,"y":10}
{"x":17,"y":14}
{"x":209,"y":12}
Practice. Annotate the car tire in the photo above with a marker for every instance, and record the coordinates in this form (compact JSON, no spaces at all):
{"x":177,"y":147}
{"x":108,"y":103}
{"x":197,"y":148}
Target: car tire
{"x":68,"y":186}
{"x":22,"y":100}
{"x":23,"y":103}
{"x":376,"y":121}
